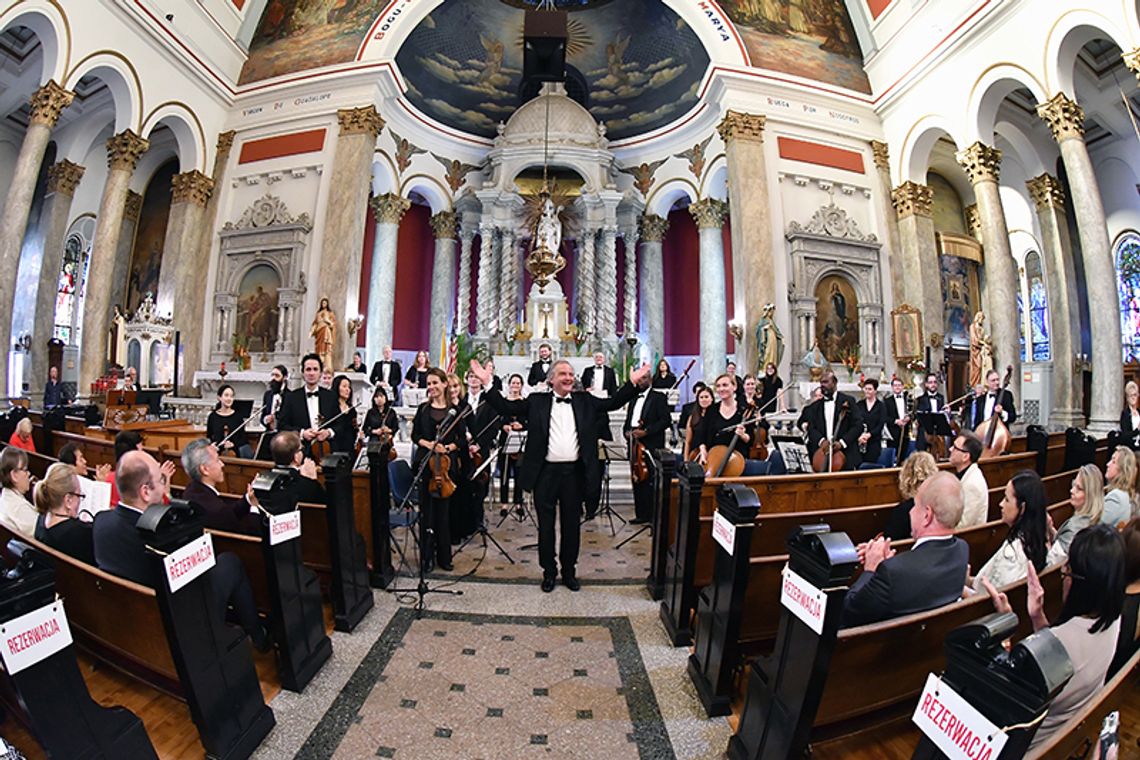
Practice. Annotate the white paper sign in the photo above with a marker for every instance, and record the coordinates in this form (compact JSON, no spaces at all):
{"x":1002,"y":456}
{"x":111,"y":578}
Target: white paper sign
{"x":33,"y":637}
{"x":188,"y":562}
{"x":954,"y":725}
{"x":284,"y":527}
{"x":805,"y":601}
{"x":724,"y":531}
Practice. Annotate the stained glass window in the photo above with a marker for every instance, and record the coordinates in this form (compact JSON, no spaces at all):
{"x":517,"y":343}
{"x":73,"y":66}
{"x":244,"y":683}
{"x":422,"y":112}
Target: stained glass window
{"x":1128,"y":283}
{"x":73,"y":281}
{"x":1038,"y":308}
{"x":1021,"y":324}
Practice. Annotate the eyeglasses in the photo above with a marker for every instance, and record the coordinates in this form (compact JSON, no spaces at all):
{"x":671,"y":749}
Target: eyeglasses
{"x":958,"y":448}
{"x":79,"y":496}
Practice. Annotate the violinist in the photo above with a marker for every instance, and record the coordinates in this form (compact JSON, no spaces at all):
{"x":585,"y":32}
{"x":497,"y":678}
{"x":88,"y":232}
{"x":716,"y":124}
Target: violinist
{"x":223,"y":421}
{"x":380,"y":421}
{"x":482,"y":426}
{"x":723,"y":420}
{"x":873,"y":411}
{"x":437,"y":417}
{"x":418,"y":372}
{"x":751,"y":390}
{"x":991,"y":400}
{"x":509,"y":463}
{"x":305,"y":409}
{"x":835,"y":417}
{"x":770,"y":385}
{"x":345,"y":424}
{"x":897,"y":419}
{"x":694,"y":428}
{"x":646,"y":420}
{"x":663,"y":377}
{"x":930,"y":401}
{"x":271,"y":399}
{"x":459,"y":505}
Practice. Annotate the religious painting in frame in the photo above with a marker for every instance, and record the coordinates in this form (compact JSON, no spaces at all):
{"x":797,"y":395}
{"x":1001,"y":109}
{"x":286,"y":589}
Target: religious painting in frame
{"x":257,"y":309}
{"x":836,"y":318}
{"x":906,"y":333}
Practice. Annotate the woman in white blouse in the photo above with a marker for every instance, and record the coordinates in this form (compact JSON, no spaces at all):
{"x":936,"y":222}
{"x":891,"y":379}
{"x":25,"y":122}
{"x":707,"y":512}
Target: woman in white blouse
{"x":1023,"y":510}
{"x":16,"y":512}
{"x":1120,"y":499}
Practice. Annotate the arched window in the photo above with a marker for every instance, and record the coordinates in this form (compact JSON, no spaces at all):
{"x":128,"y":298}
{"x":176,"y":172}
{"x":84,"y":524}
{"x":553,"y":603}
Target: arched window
{"x":1127,"y":257}
{"x":1038,"y":308}
{"x":73,"y":281}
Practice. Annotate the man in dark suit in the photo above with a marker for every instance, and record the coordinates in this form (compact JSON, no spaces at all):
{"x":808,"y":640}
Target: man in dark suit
{"x":273,"y":396}
{"x":834,"y":417}
{"x":897,"y":416}
{"x":540,"y":369}
{"x":120,"y":549}
{"x":646,"y":419}
{"x":130,"y":380}
{"x":207,"y":472}
{"x":54,"y":392}
{"x":560,"y":461}
{"x":930,"y":575}
{"x":599,"y":377}
{"x":287,"y":454}
{"x":305,"y":409}
{"x":991,"y":400}
{"x":388,"y":374}
{"x":930,"y":401}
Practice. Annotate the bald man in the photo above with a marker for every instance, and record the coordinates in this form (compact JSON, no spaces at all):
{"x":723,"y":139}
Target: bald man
{"x":930,"y":575}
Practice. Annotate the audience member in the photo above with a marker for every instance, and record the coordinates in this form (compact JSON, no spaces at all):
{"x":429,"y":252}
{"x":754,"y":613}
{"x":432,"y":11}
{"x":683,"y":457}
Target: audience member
{"x":929,"y":575}
{"x":71,"y":454}
{"x":206,"y":469}
{"x":131,"y":440}
{"x":915,"y":471}
{"x":1129,"y":640}
{"x":1023,"y":510}
{"x":287,"y":454}
{"x":22,"y":436}
{"x":1086,"y":494}
{"x":964,"y":455}
{"x":1121,"y":499}
{"x":58,"y":498}
{"x":16,"y":512}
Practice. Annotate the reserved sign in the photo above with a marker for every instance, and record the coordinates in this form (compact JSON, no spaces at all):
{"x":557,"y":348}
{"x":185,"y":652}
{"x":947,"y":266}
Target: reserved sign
{"x":724,"y":531}
{"x":805,"y":601}
{"x":284,"y":527}
{"x":189,"y":562}
{"x":960,"y":731}
{"x":33,"y":637}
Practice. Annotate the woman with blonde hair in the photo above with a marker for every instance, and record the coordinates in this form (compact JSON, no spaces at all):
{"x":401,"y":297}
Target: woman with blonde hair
{"x":914,"y":472}
{"x":1120,"y":497}
{"x":1130,"y":417}
{"x":58,"y":499}
{"x":1087,"y":497}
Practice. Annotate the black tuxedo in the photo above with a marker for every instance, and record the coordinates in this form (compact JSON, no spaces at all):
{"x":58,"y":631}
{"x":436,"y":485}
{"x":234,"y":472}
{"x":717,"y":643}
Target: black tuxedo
{"x":561,"y":483}
{"x":655,"y":418}
{"x":538,"y":372}
{"x":846,"y":427}
{"x":978,"y":408}
{"x":928,"y":576}
{"x":307,"y":490}
{"x":267,"y":408}
{"x":483,"y":423}
{"x":294,"y":414}
{"x":222,"y":512}
{"x":609,"y":379}
{"x":890,"y":414}
{"x":388,"y":372}
{"x":922,"y":404}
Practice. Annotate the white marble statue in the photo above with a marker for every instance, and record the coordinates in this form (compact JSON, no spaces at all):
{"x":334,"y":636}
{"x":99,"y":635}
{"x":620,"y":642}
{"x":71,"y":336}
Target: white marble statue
{"x":548,"y":232}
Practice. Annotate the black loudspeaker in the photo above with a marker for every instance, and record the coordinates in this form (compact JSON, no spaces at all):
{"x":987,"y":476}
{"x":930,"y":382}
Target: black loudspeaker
{"x":544,"y":46}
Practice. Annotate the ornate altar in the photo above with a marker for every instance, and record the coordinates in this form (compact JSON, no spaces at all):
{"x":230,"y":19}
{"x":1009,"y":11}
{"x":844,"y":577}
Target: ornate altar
{"x":149,"y":339}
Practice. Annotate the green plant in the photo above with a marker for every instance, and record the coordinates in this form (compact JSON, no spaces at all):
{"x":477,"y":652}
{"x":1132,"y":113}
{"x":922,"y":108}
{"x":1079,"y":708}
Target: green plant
{"x":466,"y":350}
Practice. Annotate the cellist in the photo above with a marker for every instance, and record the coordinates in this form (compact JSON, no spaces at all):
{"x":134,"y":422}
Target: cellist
{"x":990,"y":400}
{"x":646,"y":420}
{"x":437,"y":417}
{"x":835,"y":417}
{"x":722,"y":420}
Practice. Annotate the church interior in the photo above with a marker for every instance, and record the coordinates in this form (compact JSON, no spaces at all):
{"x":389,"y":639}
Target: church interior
{"x":883,"y":240}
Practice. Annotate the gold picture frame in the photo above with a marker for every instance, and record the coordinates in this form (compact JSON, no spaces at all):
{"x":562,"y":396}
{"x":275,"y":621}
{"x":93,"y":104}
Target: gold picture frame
{"x":906,"y":333}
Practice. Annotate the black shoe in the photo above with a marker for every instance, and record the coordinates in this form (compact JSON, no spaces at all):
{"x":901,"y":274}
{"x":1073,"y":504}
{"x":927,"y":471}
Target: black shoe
{"x":445,"y":566}
{"x":547,"y":585}
{"x":591,"y":515}
{"x":261,"y":639}
{"x":639,"y":521}
{"x":571,"y":582}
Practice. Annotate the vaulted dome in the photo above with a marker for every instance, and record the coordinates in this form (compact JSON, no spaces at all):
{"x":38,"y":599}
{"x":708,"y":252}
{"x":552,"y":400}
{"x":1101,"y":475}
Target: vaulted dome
{"x":570,"y":123}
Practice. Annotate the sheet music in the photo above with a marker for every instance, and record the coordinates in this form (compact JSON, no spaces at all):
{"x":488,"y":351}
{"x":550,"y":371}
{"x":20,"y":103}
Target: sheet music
{"x":96,"y":495}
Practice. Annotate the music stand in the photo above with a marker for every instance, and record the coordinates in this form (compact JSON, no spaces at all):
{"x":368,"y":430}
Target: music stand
{"x":605,"y":509}
{"x":514,"y":444}
{"x":934,"y":424}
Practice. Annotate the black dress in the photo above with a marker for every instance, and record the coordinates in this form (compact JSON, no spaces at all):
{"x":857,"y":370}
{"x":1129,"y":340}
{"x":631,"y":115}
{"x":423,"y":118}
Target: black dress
{"x":72,"y":537}
{"x":768,"y":390}
{"x":416,"y":378}
{"x":713,"y":433}
{"x":433,"y":511}
{"x":509,"y":463}
{"x":376,"y":419}
{"x":218,"y":427}
{"x":344,"y":432}
{"x":663,"y":382}
{"x":874,"y":419}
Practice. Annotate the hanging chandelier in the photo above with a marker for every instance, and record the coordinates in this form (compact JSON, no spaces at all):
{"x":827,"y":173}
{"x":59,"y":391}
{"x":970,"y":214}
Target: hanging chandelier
{"x":545,"y":259}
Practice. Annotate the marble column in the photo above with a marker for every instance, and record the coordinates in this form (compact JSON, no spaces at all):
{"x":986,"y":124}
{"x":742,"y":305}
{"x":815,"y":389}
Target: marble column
{"x":180,"y":268}
{"x":922,"y":279}
{"x":510,"y":283}
{"x":710,"y":215}
{"x":653,"y":230}
{"x":343,"y":240}
{"x":1061,"y":287}
{"x":983,"y":164}
{"x":629,"y":288}
{"x":444,"y":226}
{"x":63,"y":178}
{"x":463,"y":291}
{"x":46,"y":104}
{"x":132,"y":209}
{"x":486,"y":303}
{"x":891,"y":250}
{"x":388,"y":209}
{"x":585,"y":268}
{"x":753,"y":270}
{"x":1066,"y":120}
{"x":123,"y":153}
{"x":607,"y":285}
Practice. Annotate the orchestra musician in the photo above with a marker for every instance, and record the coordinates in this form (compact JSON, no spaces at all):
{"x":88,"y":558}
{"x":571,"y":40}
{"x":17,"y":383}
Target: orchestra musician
{"x":723,"y":420}
{"x":693,"y":425}
{"x":930,"y":401}
{"x":599,"y":379}
{"x":541,"y":368}
{"x":437,"y":418}
{"x":509,"y":463}
{"x":496,"y":381}
{"x":305,"y":409}
{"x":460,"y":513}
{"x":991,"y":400}
{"x":897,"y":418}
{"x":730,"y":370}
{"x":386,"y":373}
{"x":416,"y":376}
{"x":750,"y":392}
{"x":380,"y":420}
{"x":646,"y":420}
{"x":770,"y":385}
{"x":827,"y":421}
{"x":357,"y":364}
{"x":873,"y":411}
{"x":483,"y":428}
{"x":271,"y":399}
{"x":663,"y":377}
{"x":344,"y":424}
{"x":223,"y":421}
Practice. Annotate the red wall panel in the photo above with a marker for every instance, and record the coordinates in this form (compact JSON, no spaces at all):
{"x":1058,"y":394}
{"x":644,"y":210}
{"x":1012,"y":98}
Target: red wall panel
{"x":414,"y":254}
{"x":282,"y":145}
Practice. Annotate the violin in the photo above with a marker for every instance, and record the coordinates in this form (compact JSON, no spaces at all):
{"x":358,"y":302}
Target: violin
{"x":759,"y":447}
{"x":319,"y":449}
{"x":639,"y":468}
{"x":440,"y":484}
{"x":829,"y":457}
{"x":994,"y":433}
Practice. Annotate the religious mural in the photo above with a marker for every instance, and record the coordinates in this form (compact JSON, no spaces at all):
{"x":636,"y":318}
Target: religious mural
{"x":836,"y":319}
{"x":150,"y":237}
{"x":808,"y":38}
{"x":257,"y":309}
{"x":306,"y":34}
{"x":959,"y":303}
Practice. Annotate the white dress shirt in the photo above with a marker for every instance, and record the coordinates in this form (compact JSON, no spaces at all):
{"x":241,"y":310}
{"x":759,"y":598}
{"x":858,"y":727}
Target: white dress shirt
{"x":933,"y":402}
{"x":314,"y":404}
{"x":829,"y":416}
{"x":563,"y":443}
{"x":635,"y":418}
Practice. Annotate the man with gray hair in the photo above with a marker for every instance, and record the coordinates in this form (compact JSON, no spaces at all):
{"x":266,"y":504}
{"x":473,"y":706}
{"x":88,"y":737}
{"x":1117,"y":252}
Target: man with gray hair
{"x":930,"y":575}
{"x":207,"y":474}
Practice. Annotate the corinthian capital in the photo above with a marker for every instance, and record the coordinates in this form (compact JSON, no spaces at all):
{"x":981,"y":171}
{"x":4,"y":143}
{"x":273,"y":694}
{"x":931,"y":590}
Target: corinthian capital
{"x":973,"y":220}
{"x":124,"y":150}
{"x":226,"y":141}
{"x":132,"y":207}
{"x":709,"y":213}
{"x":653,"y":228}
{"x":743,"y":126}
{"x":48,"y":102}
{"x":445,"y":224}
{"x":355,"y":121}
{"x":981,"y":162}
{"x":389,"y":208}
{"x":191,"y":187}
{"x":64,"y":176}
{"x":1065,"y":118}
{"x":912,"y":199}
{"x":1046,"y":192}
{"x":880,"y":152}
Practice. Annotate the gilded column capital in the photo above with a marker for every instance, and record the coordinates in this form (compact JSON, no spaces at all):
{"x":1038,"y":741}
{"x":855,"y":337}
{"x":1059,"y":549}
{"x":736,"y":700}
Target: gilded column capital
{"x":912,"y":199}
{"x":389,"y":208}
{"x":355,"y":121}
{"x":880,"y":152}
{"x":226,"y":141}
{"x":1065,"y":117}
{"x":743,"y":126}
{"x":47,"y":103}
{"x":981,"y":162}
{"x":1046,"y":192}
{"x":653,"y":228}
{"x":1132,"y":61}
{"x":191,"y":187}
{"x":125,"y":149}
{"x":64,"y":176}
{"x":709,"y":213}
{"x":445,"y":225}
{"x":132,"y":206}
{"x":973,"y":220}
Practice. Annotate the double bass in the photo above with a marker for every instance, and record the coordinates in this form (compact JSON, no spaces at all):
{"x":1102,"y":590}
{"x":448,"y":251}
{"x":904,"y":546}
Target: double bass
{"x":994,"y":433}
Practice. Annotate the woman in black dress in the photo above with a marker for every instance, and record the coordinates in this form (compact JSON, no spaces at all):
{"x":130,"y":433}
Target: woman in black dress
{"x":1130,"y":417}
{"x":663,"y":378}
{"x":344,"y":427}
{"x":694,"y":430}
{"x":433,"y":419}
{"x":416,"y":376}
{"x":509,"y":463}
{"x":723,"y":420}
{"x":58,"y":499}
{"x":770,"y":384}
{"x":874,"y":415}
{"x":461,"y":515}
{"x":380,"y":421}
{"x":222,"y":422}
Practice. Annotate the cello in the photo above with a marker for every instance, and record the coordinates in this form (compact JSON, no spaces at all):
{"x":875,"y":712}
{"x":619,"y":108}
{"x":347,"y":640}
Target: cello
{"x":828,"y":457}
{"x":726,"y":461}
{"x":994,"y":433}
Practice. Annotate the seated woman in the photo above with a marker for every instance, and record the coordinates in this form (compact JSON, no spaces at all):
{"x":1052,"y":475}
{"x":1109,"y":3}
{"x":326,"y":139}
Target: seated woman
{"x":1120,"y":499}
{"x":1090,"y":619}
{"x":1023,"y":510}
{"x":22,"y":436}
{"x":723,"y":423}
{"x":222,"y":425}
{"x":1129,"y":640}
{"x":71,"y":454}
{"x":694,"y":425}
{"x":16,"y":512}
{"x":58,"y":499}
{"x":915,"y":471}
{"x":1086,"y":494}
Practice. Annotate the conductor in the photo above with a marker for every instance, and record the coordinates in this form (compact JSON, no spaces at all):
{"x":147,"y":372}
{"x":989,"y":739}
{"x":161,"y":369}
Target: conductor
{"x":560,"y":462}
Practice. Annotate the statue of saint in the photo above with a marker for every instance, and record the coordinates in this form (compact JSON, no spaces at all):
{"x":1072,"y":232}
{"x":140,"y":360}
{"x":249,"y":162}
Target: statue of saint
{"x":769,"y":340}
{"x":814,"y":362}
{"x":323,"y":331}
{"x":548,"y":231}
{"x":981,"y":351}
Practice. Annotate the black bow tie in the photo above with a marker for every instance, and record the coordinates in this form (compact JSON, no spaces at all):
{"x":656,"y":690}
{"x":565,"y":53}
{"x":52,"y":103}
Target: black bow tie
{"x":314,"y":394}
{"x":563,"y":400}
{"x":899,"y":396}
{"x":827,"y":397}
